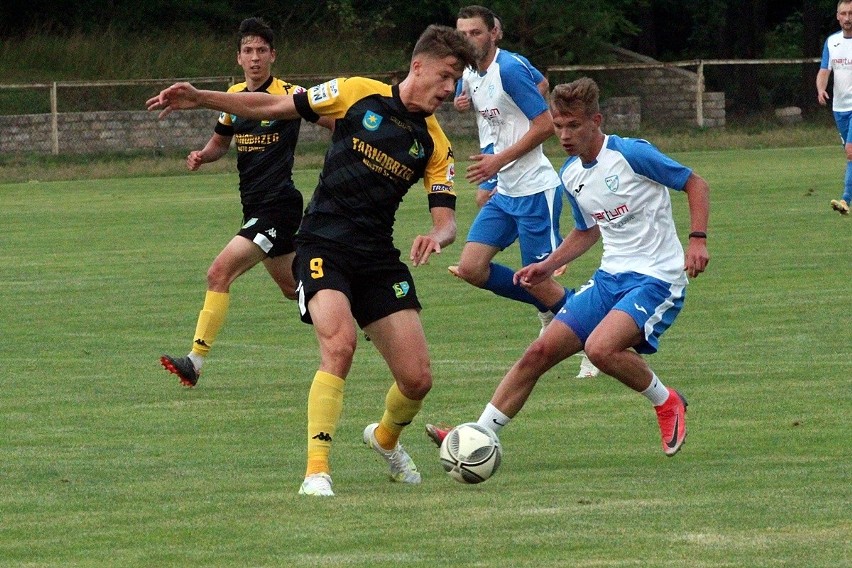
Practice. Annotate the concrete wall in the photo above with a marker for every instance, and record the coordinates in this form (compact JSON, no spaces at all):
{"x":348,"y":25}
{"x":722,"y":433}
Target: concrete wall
{"x":119,"y":131}
{"x":668,"y":94}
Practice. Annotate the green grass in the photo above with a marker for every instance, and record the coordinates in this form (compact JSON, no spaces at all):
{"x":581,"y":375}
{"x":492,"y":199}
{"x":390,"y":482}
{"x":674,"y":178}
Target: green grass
{"x":106,"y":461}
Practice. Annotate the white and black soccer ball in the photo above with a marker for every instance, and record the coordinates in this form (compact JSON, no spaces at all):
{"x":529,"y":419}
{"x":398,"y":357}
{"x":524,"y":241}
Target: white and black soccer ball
{"x":471,"y":453}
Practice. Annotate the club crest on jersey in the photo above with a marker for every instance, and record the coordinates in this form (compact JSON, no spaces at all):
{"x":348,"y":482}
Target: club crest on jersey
{"x":267,"y":122}
{"x":612,"y":183}
{"x":416,"y":150}
{"x":371,"y":121}
{"x":401,"y":289}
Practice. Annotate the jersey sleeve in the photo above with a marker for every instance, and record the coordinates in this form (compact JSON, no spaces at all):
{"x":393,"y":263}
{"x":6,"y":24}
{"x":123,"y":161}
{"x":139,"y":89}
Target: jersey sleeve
{"x":333,"y":98}
{"x":825,"y":64}
{"x":536,"y":74}
{"x":648,"y":161}
{"x":438,"y":179}
{"x":518,"y":82}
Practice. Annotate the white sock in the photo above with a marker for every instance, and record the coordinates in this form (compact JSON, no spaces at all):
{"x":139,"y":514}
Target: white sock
{"x":197,"y":360}
{"x":492,"y":418}
{"x":657,"y":393}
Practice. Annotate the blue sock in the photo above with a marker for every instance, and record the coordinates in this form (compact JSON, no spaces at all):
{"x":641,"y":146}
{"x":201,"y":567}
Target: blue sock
{"x":500,"y":282}
{"x":847,"y":190}
{"x":558,"y":305}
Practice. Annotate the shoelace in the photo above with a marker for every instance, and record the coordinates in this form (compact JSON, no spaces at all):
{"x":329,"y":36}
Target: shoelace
{"x":398,"y":460}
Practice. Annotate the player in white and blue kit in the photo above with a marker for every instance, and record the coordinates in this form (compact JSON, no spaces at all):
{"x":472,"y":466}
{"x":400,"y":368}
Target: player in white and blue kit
{"x":837,"y":57}
{"x":513,"y":121}
{"x":619,"y":191}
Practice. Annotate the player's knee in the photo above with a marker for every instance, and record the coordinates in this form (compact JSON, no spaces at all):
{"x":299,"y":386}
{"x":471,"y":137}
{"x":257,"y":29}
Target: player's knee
{"x":539,"y":355}
{"x":472,"y":274}
{"x":289,"y":291}
{"x":338,"y":355}
{"x":217,"y":278}
{"x":599,"y":354}
{"x":417,"y":385}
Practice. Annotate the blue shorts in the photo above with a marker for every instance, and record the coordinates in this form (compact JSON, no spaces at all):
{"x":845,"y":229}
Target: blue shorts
{"x":532,"y":220}
{"x":844,"y":122}
{"x":652,"y":303}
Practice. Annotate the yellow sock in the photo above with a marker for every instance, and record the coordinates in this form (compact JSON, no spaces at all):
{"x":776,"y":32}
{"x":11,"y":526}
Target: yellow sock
{"x":325,"y":404}
{"x":399,"y":412}
{"x":210,"y":321}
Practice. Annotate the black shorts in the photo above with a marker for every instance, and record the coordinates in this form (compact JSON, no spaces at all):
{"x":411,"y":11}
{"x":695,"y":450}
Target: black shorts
{"x":377,"y":284}
{"x":272,"y":226}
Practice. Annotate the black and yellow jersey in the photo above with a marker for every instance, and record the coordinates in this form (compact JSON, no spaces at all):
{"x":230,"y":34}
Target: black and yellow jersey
{"x":379,"y":149}
{"x":265,"y":148}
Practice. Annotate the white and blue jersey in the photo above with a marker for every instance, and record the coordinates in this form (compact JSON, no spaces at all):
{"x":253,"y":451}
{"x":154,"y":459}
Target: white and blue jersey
{"x":506,"y":99}
{"x":625,"y":192}
{"x":837,"y":56}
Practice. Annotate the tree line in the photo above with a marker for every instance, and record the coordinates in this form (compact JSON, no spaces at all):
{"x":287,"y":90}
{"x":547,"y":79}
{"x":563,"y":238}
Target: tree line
{"x":548,"y":31}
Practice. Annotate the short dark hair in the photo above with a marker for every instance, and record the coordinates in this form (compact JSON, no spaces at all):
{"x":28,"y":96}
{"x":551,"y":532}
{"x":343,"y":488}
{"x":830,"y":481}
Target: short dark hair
{"x":443,"y":41}
{"x":255,"y":27}
{"x":580,"y":96}
{"x":475,"y":11}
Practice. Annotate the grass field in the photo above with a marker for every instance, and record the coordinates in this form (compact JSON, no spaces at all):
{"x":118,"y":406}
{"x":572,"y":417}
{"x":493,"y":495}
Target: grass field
{"x":106,"y":461}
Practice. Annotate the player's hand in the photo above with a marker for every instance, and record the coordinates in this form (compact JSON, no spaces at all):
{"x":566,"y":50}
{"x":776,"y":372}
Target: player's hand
{"x":822,"y":97}
{"x":177,"y":97}
{"x":484,"y":167}
{"x":194,"y":160}
{"x":462,"y":102}
{"x":530,"y":275}
{"x":422,"y":249}
{"x":697,"y":257}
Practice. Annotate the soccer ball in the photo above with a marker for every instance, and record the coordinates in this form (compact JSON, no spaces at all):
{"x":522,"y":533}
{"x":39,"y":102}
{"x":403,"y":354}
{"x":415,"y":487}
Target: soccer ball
{"x":471,"y":453}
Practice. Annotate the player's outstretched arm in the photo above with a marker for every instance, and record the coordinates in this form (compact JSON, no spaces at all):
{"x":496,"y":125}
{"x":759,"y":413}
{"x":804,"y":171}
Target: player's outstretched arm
{"x":258,"y":106}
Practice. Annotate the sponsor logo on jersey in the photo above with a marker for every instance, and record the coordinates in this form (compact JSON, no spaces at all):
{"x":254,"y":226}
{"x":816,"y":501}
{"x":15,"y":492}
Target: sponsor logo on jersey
{"x":441,"y":188}
{"x":380,"y":162}
{"x":372,"y":121}
{"x":324,"y":91}
{"x":611,"y":214}
{"x":401,"y":289}
{"x":267,"y":122}
{"x":611,"y":183}
{"x":416,"y":151}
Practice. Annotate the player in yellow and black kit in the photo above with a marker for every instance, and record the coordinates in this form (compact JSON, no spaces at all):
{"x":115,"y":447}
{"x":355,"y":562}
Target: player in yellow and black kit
{"x":272,"y":206}
{"x":385,"y":140}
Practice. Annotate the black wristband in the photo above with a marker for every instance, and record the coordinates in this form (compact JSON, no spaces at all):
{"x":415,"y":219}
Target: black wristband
{"x":697,"y":235}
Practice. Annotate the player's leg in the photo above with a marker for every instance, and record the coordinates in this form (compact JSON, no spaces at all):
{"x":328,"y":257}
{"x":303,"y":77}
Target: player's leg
{"x":844,"y":127}
{"x":492,"y":230}
{"x":281,"y":221}
{"x":238,"y":256}
{"x":636,"y":323}
{"x":336,"y":334}
{"x":324,"y":301}
{"x":281,"y":270}
{"x":558,"y":342}
{"x":537,"y":219}
{"x":400,"y":339}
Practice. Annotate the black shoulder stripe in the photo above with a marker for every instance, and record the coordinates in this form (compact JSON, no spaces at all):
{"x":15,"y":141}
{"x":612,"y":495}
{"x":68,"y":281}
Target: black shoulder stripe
{"x":303,"y":107}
